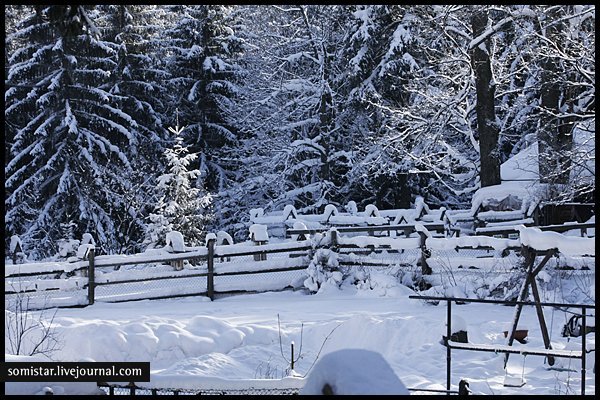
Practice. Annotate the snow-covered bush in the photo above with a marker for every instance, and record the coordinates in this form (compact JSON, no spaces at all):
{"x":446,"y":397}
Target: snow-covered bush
{"x":67,"y":247}
{"x":324,"y":271}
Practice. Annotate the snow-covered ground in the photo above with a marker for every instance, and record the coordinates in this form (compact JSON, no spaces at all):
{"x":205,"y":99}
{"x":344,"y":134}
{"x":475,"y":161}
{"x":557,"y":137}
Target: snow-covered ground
{"x":193,"y":342}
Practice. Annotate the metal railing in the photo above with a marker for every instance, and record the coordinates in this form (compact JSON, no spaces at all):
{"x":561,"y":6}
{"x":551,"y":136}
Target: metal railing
{"x":506,"y":349}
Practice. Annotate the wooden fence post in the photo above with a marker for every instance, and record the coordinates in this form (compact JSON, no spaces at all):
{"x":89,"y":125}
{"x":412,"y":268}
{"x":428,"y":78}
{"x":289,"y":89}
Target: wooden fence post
{"x":334,"y":240}
{"x":91,"y":276}
{"x":210,"y":283}
{"x":425,"y":268}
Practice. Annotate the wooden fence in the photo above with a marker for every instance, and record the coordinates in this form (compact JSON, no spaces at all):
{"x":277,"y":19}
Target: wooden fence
{"x":249,"y":267}
{"x":205,"y":264}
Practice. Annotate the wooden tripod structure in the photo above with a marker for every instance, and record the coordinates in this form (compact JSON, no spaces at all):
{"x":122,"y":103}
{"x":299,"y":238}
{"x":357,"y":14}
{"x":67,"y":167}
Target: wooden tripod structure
{"x":530,"y":254}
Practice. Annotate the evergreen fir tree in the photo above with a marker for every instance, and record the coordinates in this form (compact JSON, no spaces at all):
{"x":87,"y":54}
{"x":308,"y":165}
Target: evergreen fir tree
{"x":202,"y":48}
{"x":180,"y":206}
{"x":70,"y":155}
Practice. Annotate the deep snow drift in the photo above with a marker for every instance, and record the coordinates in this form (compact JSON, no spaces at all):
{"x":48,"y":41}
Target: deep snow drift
{"x":193,"y":342}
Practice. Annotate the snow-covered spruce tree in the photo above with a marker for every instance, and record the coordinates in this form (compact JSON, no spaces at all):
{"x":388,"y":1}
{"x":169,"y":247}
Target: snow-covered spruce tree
{"x":138,"y":86}
{"x":138,"y":81}
{"x":201,"y":49}
{"x":70,"y":155}
{"x":180,"y":205}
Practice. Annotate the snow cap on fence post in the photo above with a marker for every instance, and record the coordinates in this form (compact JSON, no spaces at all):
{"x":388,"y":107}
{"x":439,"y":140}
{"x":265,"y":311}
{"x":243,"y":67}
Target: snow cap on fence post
{"x":256,"y":213}
{"x":259,"y":235}
{"x":351,"y":207}
{"x":371,"y":210}
{"x":87,"y":238}
{"x":224,"y":238}
{"x":297,"y":226}
{"x":174,"y":239}
{"x":329,"y":211}
{"x":16,"y":248}
{"x":15,"y":244}
{"x":289,"y":211}
{"x":421,"y":208}
{"x":84,"y":250}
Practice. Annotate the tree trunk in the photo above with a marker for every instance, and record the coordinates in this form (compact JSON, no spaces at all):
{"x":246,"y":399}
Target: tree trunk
{"x":555,"y":132}
{"x":486,"y":114}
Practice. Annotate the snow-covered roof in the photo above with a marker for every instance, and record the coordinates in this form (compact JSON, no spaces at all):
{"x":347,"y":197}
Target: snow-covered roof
{"x":524,"y":190}
{"x":522,"y":166}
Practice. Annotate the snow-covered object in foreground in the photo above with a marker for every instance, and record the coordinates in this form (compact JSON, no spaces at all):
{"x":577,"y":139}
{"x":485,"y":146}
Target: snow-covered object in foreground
{"x":42,"y":388}
{"x":353,"y":372}
{"x":258,"y":233}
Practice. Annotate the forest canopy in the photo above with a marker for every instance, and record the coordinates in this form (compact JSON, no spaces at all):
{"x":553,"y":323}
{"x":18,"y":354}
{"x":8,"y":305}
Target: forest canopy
{"x":275,"y":105}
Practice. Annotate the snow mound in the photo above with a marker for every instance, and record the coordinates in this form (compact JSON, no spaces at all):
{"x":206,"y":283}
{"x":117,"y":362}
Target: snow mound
{"x":353,"y":372}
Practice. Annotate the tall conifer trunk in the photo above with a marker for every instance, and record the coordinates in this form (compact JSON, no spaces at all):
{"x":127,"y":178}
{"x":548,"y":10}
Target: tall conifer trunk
{"x":486,"y":114}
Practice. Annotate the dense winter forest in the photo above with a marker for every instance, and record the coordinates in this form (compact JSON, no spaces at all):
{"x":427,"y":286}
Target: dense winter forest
{"x":129,"y":121}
